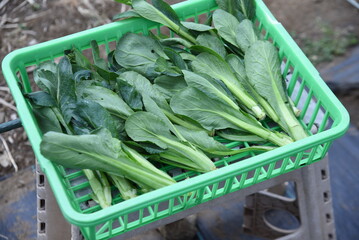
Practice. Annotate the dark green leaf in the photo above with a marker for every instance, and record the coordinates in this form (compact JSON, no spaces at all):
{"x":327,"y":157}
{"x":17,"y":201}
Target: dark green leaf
{"x":45,"y":76}
{"x":169,"y":85}
{"x":108,"y":99}
{"x":47,"y":120}
{"x":41,"y":98}
{"x":210,"y":86}
{"x":210,"y":113}
{"x":197,"y":49}
{"x":246,"y":35}
{"x":162,"y":13}
{"x":138,"y":53}
{"x":97,"y":152}
{"x":95,"y":116}
{"x":263,"y":70}
{"x":175,"y":58}
{"x":166,"y":68}
{"x":212,"y":42}
{"x":227,"y":26}
{"x":216,"y":67}
{"x":129,"y":93}
{"x":66,"y":95}
{"x":99,"y":62}
{"x":145,"y":126}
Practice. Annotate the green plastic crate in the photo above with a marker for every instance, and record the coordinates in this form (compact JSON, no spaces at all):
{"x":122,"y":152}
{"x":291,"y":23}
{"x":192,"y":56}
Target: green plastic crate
{"x":319,"y":107}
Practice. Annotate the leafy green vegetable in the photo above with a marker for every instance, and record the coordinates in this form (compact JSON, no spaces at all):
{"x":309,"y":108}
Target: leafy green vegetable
{"x":237,"y":66}
{"x":46,"y":119}
{"x":175,"y":58}
{"x":108,"y":99}
{"x":94,"y":116}
{"x":169,"y":85}
{"x":66,"y":96}
{"x":138,"y":53}
{"x":210,"y":86}
{"x":227,"y":26}
{"x":145,"y":126}
{"x":246,"y":35}
{"x":217,"y":68}
{"x":41,"y":98}
{"x":212,"y":42}
{"x":212,"y":114}
{"x":129,"y":93}
{"x":263,"y":71}
{"x":162,"y":13}
{"x":97,"y":152}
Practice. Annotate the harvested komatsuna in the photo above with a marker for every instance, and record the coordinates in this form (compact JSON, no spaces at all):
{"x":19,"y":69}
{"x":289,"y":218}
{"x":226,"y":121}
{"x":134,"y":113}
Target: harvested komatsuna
{"x":263,"y":70}
{"x":213,"y":114}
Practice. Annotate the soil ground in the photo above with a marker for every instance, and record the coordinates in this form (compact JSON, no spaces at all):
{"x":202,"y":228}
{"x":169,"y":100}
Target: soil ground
{"x":24,"y":23}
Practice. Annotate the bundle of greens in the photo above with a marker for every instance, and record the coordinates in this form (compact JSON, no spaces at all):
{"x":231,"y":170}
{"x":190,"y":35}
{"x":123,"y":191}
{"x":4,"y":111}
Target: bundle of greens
{"x":162,"y":99}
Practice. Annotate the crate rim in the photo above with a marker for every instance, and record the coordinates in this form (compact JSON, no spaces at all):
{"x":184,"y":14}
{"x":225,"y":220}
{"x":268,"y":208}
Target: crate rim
{"x":9,"y":66}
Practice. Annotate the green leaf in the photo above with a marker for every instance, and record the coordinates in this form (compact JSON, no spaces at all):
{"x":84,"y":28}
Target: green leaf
{"x":227,"y":5}
{"x":175,"y":58}
{"x":213,"y":114}
{"x":166,"y":68}
{"x":97,"y":152}
{"x":237,"y":65}
{"x":145,"y":126}
{"x":169,"y":85}
{"x":45,"y":76}
{"x":99,"y":62}
{"x":138,"y":53}
{"x":66,"y":95}
{"x":130,"y":95}
{"x":198,"y":49}
{"x":95,"y":116}
{"x":212,"y":42}
{"x":108,"y":99}
{"x":114,"y":66}
{"x":127,"y":14}
{"x":247,"y":8}
{"x":162,"y":13}
{"x":210,"y":86}
{"x":144,"y":87}
{"x":47,"y":120}
{"x":263,"y":70}
{"x":209,"y":112}
{"x":152,"y":107}
{"x":41,"y":98}
{"x":201,"y":140}
{"x":82,"y":75}
{"x":227,"y":26}
{"x":196,"y":26}
{"x":217,"y":68}
{"x":246,"y":35}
